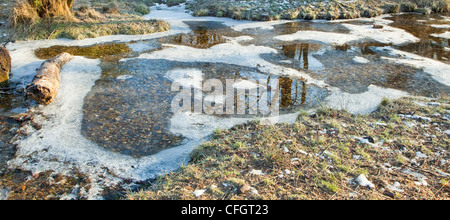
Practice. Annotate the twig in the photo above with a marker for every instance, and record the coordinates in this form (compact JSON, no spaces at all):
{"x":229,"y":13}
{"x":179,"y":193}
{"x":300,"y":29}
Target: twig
{"x":443,"y":185}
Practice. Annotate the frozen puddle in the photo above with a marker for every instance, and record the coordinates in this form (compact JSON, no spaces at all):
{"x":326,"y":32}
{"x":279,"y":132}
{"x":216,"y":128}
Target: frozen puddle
{"x":60,"y":138}
{"x":112,"y":120}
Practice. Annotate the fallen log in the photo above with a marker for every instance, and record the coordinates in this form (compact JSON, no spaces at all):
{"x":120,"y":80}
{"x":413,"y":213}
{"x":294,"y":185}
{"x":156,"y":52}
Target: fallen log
{"x":45,"y":85}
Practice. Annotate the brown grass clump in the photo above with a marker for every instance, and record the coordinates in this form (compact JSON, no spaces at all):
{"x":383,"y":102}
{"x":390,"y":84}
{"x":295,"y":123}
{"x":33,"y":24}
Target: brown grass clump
{"x":27,"y":12}
{"x":52,"y":8}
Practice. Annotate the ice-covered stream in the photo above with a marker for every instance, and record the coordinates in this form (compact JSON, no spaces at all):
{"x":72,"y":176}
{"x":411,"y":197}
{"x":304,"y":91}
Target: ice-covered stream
{"x":112,"y":119}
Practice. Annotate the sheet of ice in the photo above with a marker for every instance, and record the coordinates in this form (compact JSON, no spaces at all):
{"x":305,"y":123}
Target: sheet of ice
{"x":141,"y":46}
{"x":319,"y":36}
{"x":362,"y":60}
{"x":445,"y":35}
{"x":59,"y":145}
{"x":386,"y":35}
{"x":238,"y":39}
{"x":124,"y":77}
{"x":176,"y":16}
{"x":231,"y":53}
{"x":186,"y":77}
{"x":245,"y":84}
{"x":376,"y":20}
{"x":362,"y":103}
{"x":438,"y":70}
{"x":199,"y":126}
{"x":265,"y":25}
{"x":444,"y":26}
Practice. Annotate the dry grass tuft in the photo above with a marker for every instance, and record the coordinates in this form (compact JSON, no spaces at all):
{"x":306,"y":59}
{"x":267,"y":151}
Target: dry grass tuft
{"x":23,"y":13}
{"x":28,"y":12}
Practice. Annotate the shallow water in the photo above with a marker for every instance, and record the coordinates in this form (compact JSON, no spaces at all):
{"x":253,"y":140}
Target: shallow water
{"x":128,"y":109}
{"x":421,"y":26}
{"x":130,"y":114}
{"x":126,"y":115}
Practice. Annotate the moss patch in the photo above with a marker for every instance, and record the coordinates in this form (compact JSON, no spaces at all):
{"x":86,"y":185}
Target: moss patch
{"x":91,"y":52}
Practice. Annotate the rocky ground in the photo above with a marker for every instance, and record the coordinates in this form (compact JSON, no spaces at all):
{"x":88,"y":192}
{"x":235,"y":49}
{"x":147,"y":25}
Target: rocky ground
{"x":401,"y":151}
{"x":263,"y":10}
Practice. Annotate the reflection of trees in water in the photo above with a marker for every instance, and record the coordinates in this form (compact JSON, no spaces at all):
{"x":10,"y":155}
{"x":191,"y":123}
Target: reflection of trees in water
{"x":201,"y":38}
{"x":298,"y":52}
{"x":293,"y":92}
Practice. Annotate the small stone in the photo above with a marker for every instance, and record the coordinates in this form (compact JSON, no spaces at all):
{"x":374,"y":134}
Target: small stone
{"x":295,"y":161}
{"x":356,"y":157}
{"x":378,"y":26}
{"x":253,"y":191}
{"x":198,"y":193}
{"x":420,"y":155}
{"x":363,"y":181}
{"x":396,"y":187}
{"x":257,"y":172}
{"x":447,"y":132}
{"x":4,"y":194}
{"x":421,"y":182}
{"x":353,"y":195}
{"x":434,"y":103}
{"x":304,"y":152}
{"x":20,"y":89}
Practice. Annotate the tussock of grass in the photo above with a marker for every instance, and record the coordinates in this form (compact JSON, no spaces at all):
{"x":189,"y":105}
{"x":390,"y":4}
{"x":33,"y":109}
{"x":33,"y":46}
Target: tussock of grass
{"x":35,"y":19}
{"x":28,"y":12}
{"x":23,"y":14}
{"x":318,"y":156}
